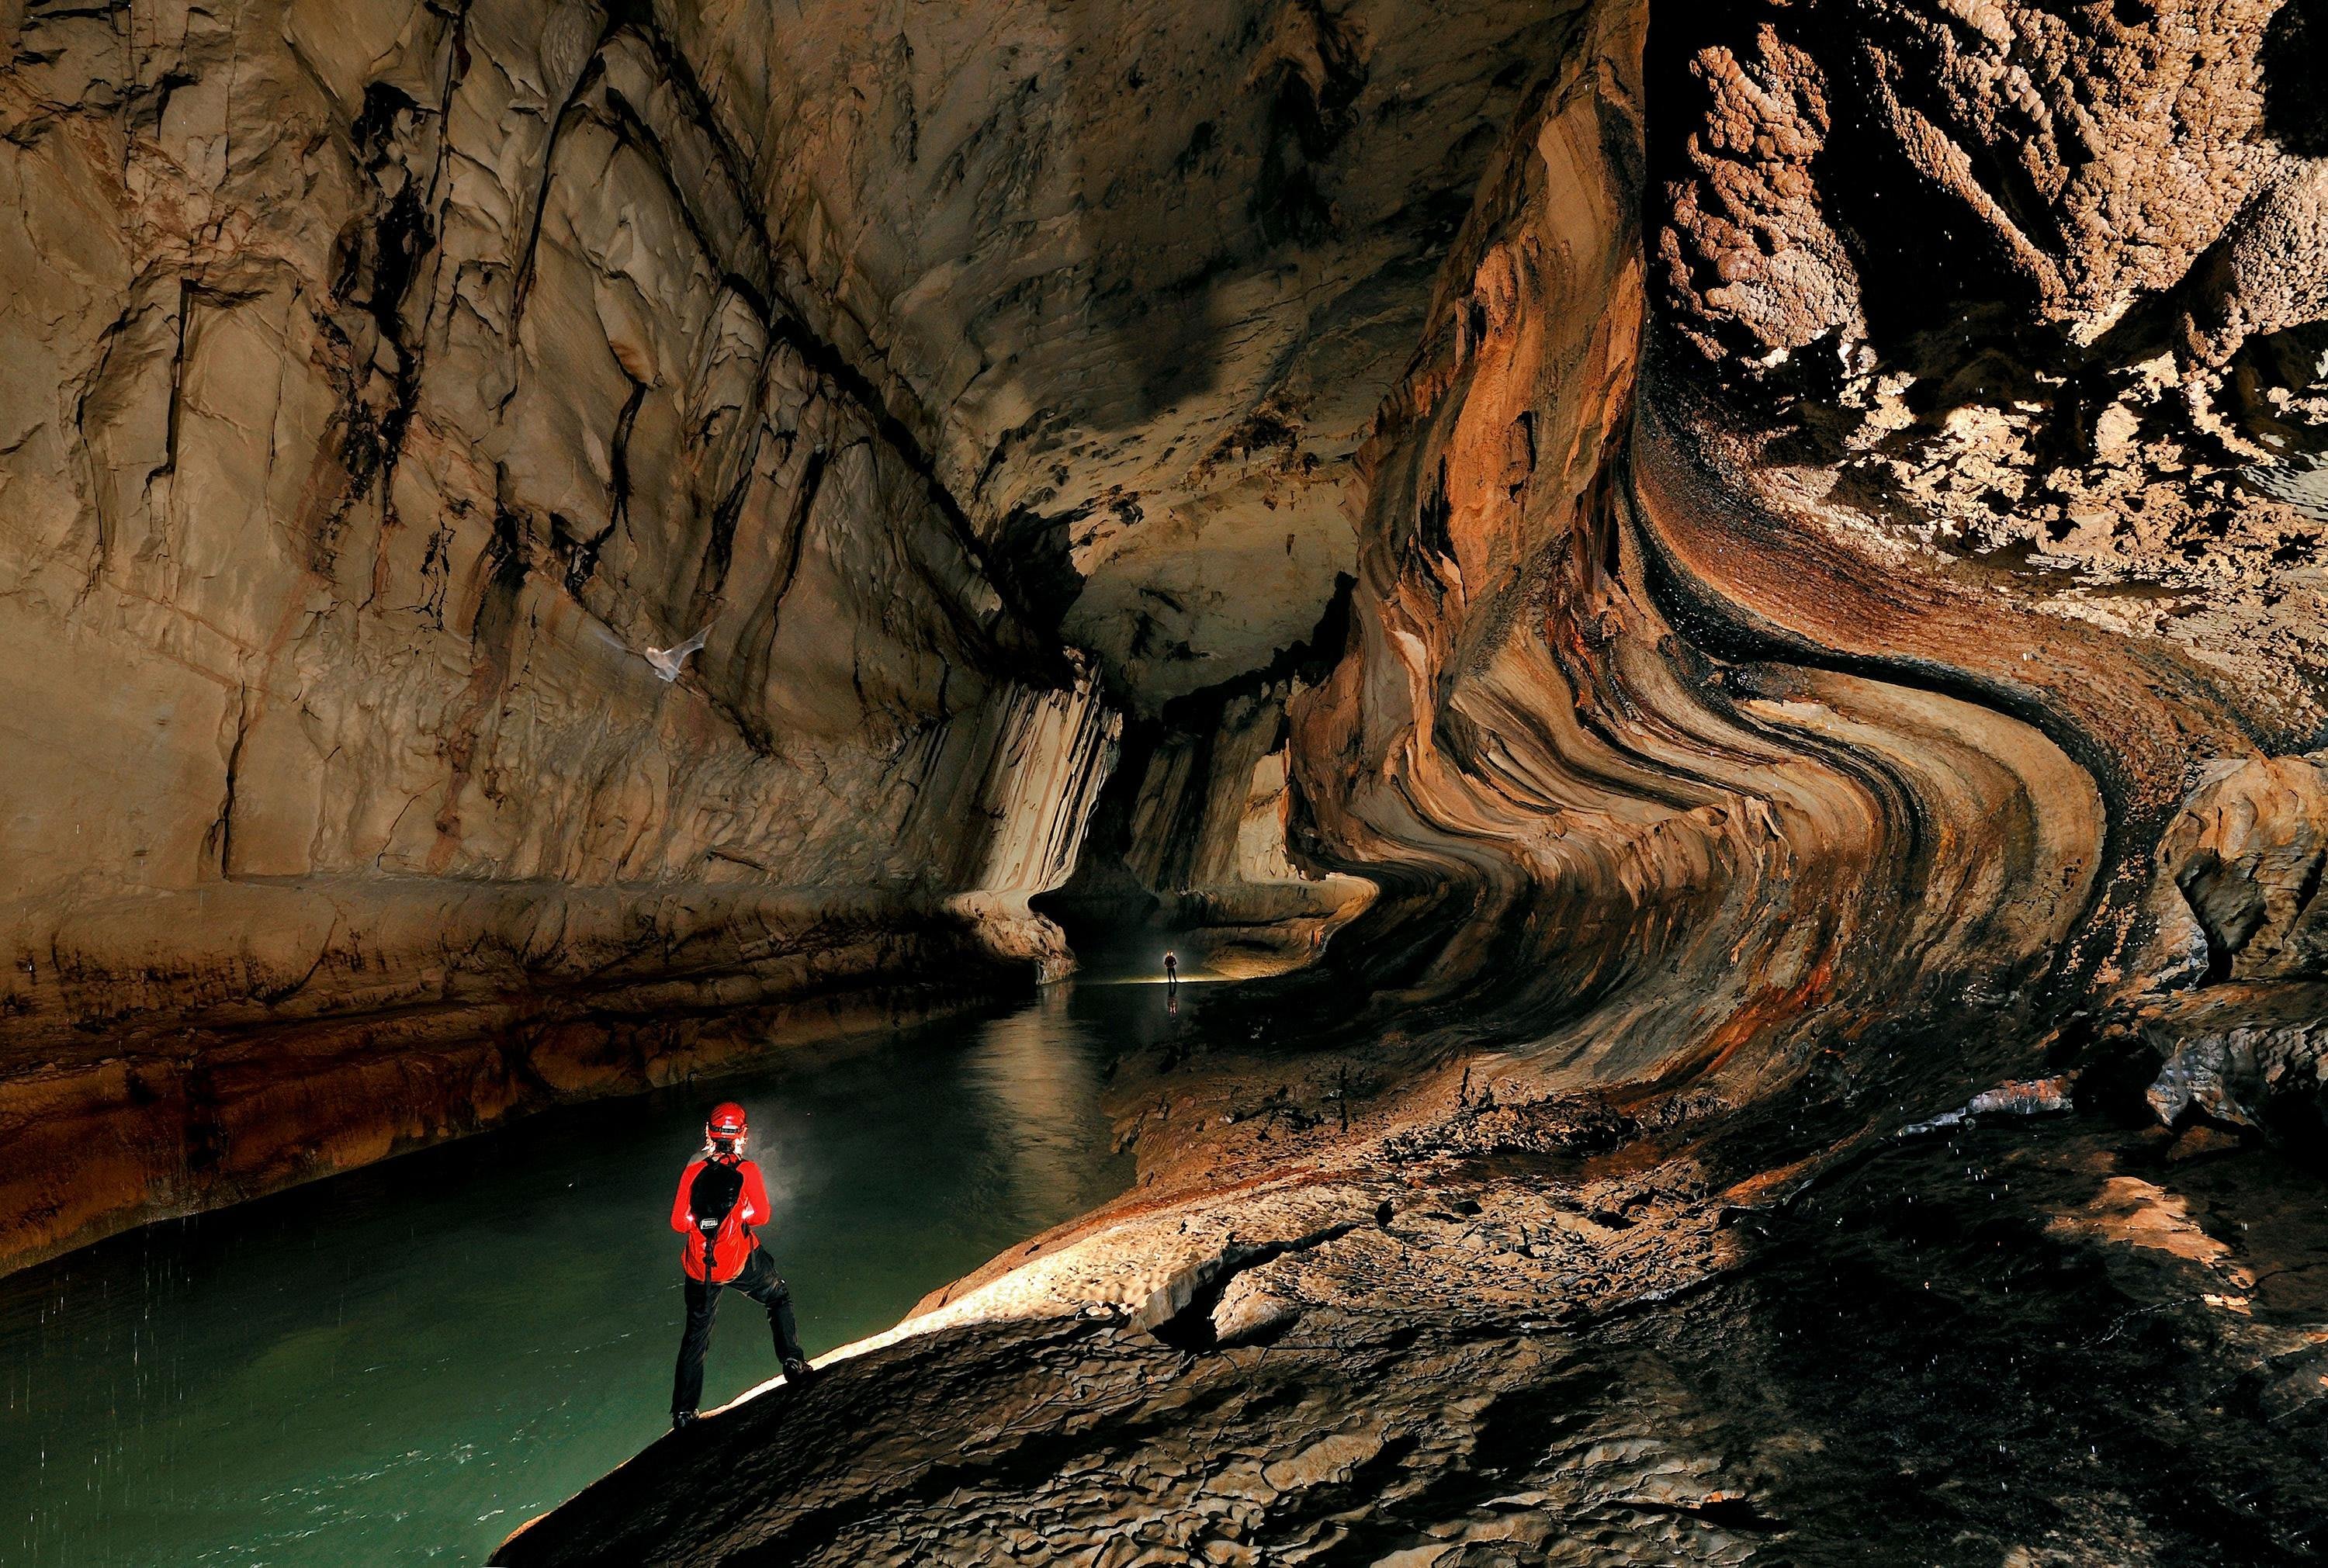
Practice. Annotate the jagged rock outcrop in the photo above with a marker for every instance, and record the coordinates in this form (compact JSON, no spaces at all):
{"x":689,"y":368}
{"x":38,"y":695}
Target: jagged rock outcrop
{"x":2241,"y":1038}
{"x":2239,"y":873}
{"x":2027,"y":299}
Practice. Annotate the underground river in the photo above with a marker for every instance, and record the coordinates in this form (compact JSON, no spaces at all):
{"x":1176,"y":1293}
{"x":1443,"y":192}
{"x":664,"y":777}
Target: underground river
{"x":402,"y":1364}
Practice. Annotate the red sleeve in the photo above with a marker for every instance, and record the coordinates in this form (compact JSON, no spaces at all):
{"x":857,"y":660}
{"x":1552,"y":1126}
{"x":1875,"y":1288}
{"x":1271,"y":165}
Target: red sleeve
{"x":681,"y":1220}
{"x":755,"y":1193}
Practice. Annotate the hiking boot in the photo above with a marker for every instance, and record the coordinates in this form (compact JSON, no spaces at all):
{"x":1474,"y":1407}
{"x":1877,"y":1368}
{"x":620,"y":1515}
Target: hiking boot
{"x":680,"y":1419}
{"x":801,"y":1373}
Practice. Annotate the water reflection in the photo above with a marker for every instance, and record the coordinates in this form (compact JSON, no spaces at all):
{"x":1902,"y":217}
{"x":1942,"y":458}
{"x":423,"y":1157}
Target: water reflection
{"x":1042,"y":1078}
{"x":398,"y":1366}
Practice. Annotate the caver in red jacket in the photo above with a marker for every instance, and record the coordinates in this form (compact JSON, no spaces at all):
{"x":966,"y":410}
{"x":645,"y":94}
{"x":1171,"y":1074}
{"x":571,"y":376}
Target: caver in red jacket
{"x":734,"y":1242}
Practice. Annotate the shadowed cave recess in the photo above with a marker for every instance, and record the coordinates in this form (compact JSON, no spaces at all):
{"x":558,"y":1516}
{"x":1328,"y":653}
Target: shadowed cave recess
{"x":1717,"y":610}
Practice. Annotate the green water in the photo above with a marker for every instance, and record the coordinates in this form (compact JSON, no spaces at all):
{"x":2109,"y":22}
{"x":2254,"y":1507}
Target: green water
{"x":401,"y":1365}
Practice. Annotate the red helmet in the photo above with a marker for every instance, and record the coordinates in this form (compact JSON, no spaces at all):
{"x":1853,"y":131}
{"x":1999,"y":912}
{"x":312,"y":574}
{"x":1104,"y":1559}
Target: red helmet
{"x":726,"y":1120}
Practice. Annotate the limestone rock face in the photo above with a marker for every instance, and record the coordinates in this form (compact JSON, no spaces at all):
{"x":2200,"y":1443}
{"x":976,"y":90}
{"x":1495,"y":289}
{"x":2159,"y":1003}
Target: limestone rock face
{"x":384,"y":382}
{"x":2025,"y":296}
{"x":2245,"y":856}
{"x":1576,"y":720}
{"x":1190,"y":843}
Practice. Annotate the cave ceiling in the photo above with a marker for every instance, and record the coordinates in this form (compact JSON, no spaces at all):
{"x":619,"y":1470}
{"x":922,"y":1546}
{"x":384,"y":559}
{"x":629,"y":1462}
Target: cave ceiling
{"x":1140,"y":273}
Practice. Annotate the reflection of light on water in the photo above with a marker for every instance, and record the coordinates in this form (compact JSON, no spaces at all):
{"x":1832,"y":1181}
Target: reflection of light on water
{"x":393,"y":1364}
{"x":1046,"y":1089}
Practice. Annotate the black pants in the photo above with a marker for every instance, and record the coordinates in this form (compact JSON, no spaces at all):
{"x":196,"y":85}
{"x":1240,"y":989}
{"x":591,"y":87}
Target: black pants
{"x":757,"y":1279}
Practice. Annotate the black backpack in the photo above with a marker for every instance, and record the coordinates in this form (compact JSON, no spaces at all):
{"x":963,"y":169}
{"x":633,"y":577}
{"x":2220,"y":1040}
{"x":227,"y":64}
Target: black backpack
{"x":717,"y":1187}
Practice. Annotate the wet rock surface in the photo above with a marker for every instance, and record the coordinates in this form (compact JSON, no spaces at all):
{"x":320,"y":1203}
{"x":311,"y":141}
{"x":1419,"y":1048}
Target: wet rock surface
{"x":1997,"y":1347}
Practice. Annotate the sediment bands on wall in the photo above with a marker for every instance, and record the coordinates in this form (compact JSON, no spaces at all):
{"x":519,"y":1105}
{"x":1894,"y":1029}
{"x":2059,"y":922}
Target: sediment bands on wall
{"x":383,"y":382}
{"x":1658,"y":856}
{"x":1679,"y":702}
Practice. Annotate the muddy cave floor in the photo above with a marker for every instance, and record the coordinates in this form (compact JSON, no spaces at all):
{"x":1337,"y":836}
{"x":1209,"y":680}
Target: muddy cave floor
{"x":2023,"y":1340}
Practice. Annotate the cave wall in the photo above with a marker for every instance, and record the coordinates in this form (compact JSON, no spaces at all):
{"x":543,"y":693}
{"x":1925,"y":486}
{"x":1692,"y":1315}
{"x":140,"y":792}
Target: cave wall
{"x":1189,"y":847}
{"x":389,"y":377}
{"x":1857,"y":478}
{"x":2001,"y":330}
{"x":383,"y":380}
{"x":2029,"y":296}
{"x":1726,"y":684}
